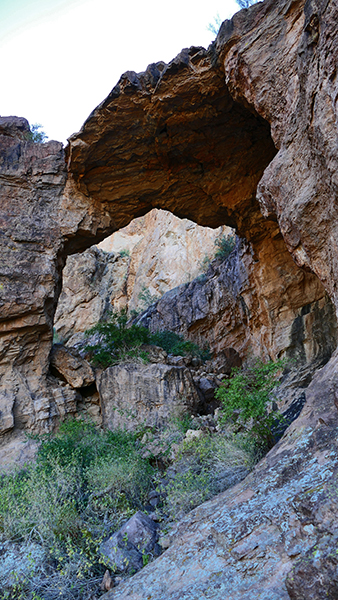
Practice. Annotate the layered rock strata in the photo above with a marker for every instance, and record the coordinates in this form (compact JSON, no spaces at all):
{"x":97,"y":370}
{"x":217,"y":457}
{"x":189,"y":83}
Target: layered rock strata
{"x":131,"y":269}
{"x":194,"y":137}
{"x":197,"y":137}
{"x":147,"y":396}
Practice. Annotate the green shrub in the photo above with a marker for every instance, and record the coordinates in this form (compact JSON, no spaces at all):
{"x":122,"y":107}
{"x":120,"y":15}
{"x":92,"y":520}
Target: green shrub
{"x":83,"y":481}
{"x":247,"y":395}
{"x":124,"y":252}
{"x":147,"y":298}
{"x":36,"y":134}
{"x":204,"y":467}
{"x":225,"y":245}
{"x":175,"y":344}
{"x":117,"y":342}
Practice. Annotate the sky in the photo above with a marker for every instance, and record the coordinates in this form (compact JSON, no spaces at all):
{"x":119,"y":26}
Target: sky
{"x":60,"y":58}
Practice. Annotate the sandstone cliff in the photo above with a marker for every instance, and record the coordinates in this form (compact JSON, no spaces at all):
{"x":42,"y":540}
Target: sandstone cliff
{"x":131,"y":269}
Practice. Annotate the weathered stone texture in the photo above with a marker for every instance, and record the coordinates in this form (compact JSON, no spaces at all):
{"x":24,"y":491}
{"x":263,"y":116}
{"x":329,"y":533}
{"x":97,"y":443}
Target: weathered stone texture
{"x":225,"y":309}
{"x":134,"y":395}
{"x":70,"y":365}
{"x":90,"y":281}
{"x":197,"y":137}
{"x":277,"y":524}
{"x":164,"y":252}
{"x":130,"y":269}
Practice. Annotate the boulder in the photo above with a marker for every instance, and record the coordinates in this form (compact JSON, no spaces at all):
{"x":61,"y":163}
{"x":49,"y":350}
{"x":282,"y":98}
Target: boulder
{"x":75,"y":369}
{"x":134,"y":395}
{"x":129,"y":548}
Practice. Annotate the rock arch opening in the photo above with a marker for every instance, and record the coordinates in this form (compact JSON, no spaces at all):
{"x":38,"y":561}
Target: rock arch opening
{"x":171,"y":138}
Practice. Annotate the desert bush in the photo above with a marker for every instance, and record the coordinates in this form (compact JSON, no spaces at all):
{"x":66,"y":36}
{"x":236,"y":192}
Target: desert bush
{"x":117,"y":342}
{"x":225,"y":245}
{"x":205,"y":466}
{"x":246,"y":397}
{"x":175,"y":344}
{"x":147,"y":298}
{"x":84,"y":484}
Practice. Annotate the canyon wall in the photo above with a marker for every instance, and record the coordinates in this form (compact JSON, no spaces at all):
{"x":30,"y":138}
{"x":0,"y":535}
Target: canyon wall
{"x":132,"y":269}
{"x":196,"y":137}
{"x":243,"y":134}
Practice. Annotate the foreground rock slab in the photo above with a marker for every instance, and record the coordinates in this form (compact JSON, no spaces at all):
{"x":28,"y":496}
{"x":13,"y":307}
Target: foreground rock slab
{"x":274,"y":535}
{"x":75,"y":369}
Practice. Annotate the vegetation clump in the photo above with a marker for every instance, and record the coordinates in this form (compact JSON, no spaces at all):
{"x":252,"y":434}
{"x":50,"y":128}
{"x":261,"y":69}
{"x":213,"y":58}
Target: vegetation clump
{"x":247,"y":396}
{"x":225,"y":245}
{"x":116,"y":340}
{"x":205,"y":466}
{"x":85,"y":483}
{"x":113,"y":341}
{"x":175,"y":344}
{"x":36,"y":134}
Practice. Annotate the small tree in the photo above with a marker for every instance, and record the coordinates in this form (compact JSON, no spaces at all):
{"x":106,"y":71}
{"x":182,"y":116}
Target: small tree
{"x":37,"y":134}
{"x":215,"y":25}
{"x":225,"y":245}
{"x":245,"y":3}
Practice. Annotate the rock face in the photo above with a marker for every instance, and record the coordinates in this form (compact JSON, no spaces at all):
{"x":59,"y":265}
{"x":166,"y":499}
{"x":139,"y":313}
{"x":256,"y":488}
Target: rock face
{"x":90,"y":281}
{"x":272,"y":536}
{"x":32,"y":181}
{"x":220,"y":309}
{"x":131,"y":269}
{"x":135,"y":395}
{"x":194,"y":137}
{"x":164,"y":252}
{"x":68,"y":363}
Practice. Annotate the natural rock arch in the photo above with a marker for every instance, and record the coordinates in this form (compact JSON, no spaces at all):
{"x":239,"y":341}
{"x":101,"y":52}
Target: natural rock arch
{"x":192,"y":137}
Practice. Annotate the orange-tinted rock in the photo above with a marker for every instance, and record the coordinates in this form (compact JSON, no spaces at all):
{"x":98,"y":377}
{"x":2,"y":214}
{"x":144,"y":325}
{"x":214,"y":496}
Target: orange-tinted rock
{"x":131,"y":269}
{"x":192,"y":137}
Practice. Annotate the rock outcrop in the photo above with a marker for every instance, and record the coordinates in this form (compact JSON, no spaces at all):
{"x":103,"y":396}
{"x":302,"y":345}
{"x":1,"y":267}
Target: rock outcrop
{"x":33,"y":177}
{"x":220,"y":309}
{"x":135,"y":395}
{"x":274,"y":535}
{"x":131,"y":269}
{"x":194,"y":137}
{"x":164,"y":252}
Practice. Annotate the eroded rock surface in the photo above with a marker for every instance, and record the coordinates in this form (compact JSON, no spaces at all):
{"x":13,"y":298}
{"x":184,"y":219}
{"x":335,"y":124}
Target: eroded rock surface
{"x":131,"y":269}
{"x":221,"y":309}
{"x":75,"y":369}
{"x":134,"y":395}
{"x":164,"y":252}
{"x":197,"y":137}
{"x":194,"y":137}
{"x":274,"y":535}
